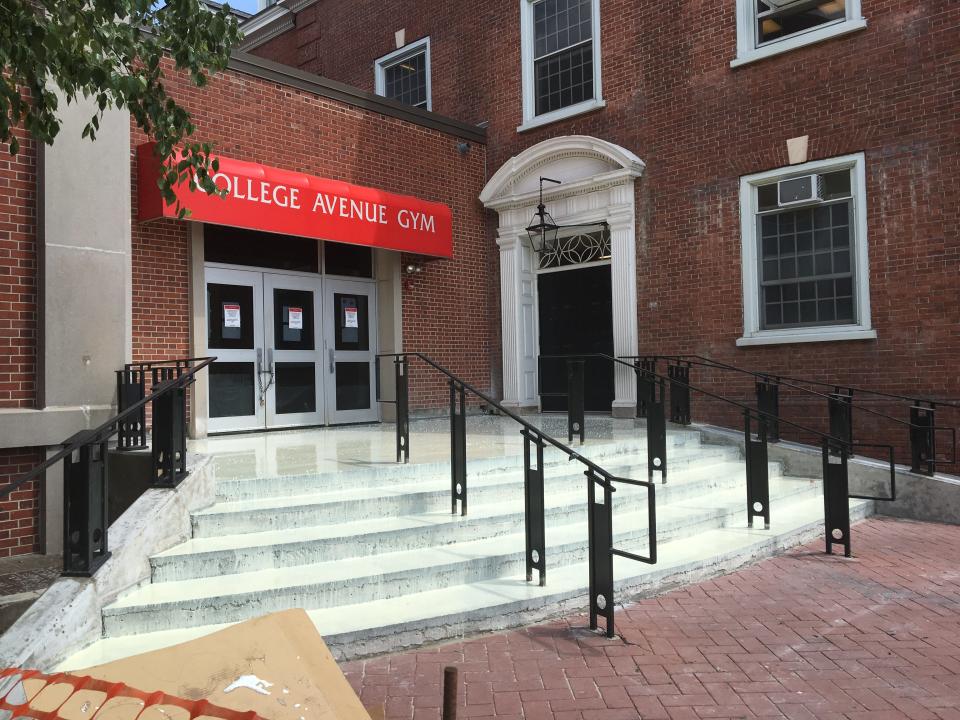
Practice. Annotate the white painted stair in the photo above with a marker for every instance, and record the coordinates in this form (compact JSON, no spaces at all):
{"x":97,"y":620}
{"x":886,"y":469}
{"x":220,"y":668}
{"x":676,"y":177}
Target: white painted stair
{"x":378,"y":560}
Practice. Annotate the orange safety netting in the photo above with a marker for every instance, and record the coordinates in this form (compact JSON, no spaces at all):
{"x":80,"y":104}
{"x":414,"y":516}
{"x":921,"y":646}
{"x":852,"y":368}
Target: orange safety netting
{"x":30,"y":694}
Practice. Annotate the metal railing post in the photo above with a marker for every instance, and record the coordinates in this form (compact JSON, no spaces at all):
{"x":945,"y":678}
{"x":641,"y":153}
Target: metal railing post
{"x":768,"y":402}
{"x":131,"y":389}
{"x":169,"y":432}
{"x":400,"y":368}
{"x":645,"y":390}
{"x":840,"y":406}
{"x":836,"y":497}
{"x":657,"y":432}
{"x":758,"y":478}
{"x":600,"y":551}
{"x":923,"y":439}
{"x":575,"y":401}
{"x":458,"y":448}
{"x":85,"y":515}
{"x":679,"y":393}
{"x":533,"y":505}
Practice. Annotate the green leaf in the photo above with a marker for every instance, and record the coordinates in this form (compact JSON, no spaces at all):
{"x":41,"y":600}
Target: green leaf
{"x":111,"y":51}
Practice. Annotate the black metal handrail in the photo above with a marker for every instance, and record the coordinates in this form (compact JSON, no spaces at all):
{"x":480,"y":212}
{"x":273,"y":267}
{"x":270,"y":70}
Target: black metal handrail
{"x":819,"y":383}
{"x":600,"y":516}
{"x":922,"y":425}
{"x":652,"y":399}
{"x":85,"y":464}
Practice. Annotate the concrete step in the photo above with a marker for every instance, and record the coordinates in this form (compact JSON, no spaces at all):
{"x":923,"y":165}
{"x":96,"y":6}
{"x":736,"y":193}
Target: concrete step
{"x":362,"y":629}
{"x":680,"y":443}
{"x":423,"y":496}
{"x":328,"y":584}
{"x":225,"y":554}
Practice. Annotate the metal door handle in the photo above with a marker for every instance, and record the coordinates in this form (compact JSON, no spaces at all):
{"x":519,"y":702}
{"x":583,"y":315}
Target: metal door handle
{"x":259,"y":361}
{"x":331,"y":360}
{"x":270,"y":361}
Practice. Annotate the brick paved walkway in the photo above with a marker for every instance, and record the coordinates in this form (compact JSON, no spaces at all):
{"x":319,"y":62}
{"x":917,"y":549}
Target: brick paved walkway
{"x":800,"y":636}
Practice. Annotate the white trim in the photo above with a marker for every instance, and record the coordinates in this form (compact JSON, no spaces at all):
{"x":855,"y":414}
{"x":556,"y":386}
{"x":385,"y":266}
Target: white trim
{"x":822,"y":334}
{"x":530,"y":118}
{"x":407,"y":51}
{"x":863,"y":329}
{"x":562,"y":114}
{"x":749,"y":51}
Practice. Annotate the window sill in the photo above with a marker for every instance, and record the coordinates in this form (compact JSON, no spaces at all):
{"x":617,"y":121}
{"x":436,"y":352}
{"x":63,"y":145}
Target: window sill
{"x":807,"y":335}
{"x":798,"y":41}
{"x":562,"y":114}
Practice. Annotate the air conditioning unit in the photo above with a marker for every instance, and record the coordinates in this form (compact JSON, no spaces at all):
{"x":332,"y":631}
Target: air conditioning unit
{"x":800,"y":190}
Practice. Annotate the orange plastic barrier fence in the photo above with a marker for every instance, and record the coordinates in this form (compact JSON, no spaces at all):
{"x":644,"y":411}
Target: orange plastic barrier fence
{"x":33,"y":695}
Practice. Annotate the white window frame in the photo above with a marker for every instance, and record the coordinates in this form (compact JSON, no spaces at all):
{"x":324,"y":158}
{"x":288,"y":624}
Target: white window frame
{"x":398,"y":56}
{"x":862,"y":329}
{"x":530,"y":118}
{"x":748,"y":50}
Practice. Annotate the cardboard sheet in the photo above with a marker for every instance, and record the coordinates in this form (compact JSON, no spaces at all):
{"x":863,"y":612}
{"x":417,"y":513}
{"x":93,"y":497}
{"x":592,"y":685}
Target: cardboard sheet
{"x":277,"y":666}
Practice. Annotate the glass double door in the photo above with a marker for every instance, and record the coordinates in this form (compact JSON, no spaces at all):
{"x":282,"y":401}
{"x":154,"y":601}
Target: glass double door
{"x":291,"y":350}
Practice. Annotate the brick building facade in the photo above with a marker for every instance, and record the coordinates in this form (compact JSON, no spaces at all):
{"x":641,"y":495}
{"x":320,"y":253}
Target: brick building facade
{"x":674,"y":146}
{"x":704,"y":110}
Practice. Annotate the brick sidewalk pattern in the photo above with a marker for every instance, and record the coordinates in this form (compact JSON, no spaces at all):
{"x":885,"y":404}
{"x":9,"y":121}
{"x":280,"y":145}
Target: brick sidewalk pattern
{"x":803,"y":635}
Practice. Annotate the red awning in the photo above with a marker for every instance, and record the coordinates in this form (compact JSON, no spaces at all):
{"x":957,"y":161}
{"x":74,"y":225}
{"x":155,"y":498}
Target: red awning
{"x":265,"y":198}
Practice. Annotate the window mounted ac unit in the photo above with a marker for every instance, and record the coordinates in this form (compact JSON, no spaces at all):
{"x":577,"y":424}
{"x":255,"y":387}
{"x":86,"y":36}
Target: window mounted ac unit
{"x":800,"y":190}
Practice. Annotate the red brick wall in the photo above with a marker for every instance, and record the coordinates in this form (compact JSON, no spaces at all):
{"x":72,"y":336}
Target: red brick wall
{"x":299,"y":49}
{"x":18,"y":274}
{"x":699,"y":125}
{"x":251,"y":119}
{"x":20,"y":511}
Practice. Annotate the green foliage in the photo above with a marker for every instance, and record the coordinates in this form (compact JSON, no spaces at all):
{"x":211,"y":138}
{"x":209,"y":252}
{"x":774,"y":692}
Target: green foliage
{"x":112,"y":51}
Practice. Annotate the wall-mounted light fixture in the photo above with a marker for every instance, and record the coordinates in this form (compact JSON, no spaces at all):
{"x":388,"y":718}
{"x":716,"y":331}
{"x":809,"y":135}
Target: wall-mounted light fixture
{"x":542,"y":231}
{"x":411,"y":269}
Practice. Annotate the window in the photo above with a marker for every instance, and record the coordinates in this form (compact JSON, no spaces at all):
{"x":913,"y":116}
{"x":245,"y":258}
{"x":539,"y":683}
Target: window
{"x":805,"y":272}
{"x":769,"y":27}
{"x":561,"y":59}
{"x":404,"y":75}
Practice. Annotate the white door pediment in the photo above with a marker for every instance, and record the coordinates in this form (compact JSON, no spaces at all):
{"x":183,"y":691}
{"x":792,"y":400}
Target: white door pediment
{"x":577,"y":161}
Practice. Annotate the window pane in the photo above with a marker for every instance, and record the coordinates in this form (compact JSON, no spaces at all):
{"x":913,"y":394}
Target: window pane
{"x":836,"y":185}
{"x":558,"y":24}
{"x":296,"y":388}
{"x":563,"y":53}
{"x":260,"y":249}
{"x":353,"y":385}
{"x":351,"y":322}
{"x":347,"y":260}
{"x":406,"y":80}
{"x":564,"y":79}
{"x":805,"y":273}
{"x":229,"y":317}
{"x":767,"y":197}
{"x":775,"y":23}
{"x":231,"y":389}
{"x":292,"y":319}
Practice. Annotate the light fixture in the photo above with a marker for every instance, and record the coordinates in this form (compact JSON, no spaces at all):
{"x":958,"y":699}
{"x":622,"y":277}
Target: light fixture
{"x":542,"y":232}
